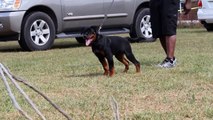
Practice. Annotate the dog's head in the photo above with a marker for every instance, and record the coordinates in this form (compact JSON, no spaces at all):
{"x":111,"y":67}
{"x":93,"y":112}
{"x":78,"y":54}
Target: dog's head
{"x":90,"y":35}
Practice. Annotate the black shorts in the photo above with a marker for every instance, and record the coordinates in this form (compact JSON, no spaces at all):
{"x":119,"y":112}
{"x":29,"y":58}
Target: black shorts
{"x":164,"y":15}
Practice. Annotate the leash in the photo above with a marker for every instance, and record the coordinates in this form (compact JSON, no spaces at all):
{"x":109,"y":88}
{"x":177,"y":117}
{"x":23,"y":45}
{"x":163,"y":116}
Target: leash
{"x":105,"y":16}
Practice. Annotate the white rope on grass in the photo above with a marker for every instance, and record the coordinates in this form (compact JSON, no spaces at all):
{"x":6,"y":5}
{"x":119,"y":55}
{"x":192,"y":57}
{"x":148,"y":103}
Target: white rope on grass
{"x":13,"y":99}
{"x":114,"y":105}
{"x":14,"y":79}
{"x":23,"y":93}
{"x":40,"y":93}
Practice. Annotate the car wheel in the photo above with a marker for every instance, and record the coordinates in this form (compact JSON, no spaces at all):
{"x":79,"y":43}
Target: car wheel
{"x":80,"y":40}
{"x":142,"y":25}
{"x":209,"y":27}
{"x":38,"y":32}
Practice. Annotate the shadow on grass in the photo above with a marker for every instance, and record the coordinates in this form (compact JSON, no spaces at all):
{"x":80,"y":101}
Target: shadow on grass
{"x":11,"y":49}
{"x":201,"y":31}
{"x":86,"y":75}
{"x":14,"y":47}
{"x":67,"y":45}
{"x":194,"y":31}
{"x":150,"y":63}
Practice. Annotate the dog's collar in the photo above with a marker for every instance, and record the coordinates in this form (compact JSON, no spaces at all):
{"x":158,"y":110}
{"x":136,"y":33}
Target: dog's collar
{"x":99,"y":36}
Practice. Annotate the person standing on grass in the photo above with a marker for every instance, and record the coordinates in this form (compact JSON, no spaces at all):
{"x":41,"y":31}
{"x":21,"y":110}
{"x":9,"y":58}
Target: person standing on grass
{"x":164,"y":16}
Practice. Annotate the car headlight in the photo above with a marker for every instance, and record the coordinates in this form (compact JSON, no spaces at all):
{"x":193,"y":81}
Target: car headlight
{"x":10,"y":4}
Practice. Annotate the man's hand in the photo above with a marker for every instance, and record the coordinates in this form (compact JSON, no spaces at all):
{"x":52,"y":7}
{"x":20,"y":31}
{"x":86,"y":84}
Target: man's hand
{"x":187,"y":7}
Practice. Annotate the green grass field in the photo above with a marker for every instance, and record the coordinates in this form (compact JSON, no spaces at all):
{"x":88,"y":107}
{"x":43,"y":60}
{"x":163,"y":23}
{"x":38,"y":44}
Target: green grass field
{"x":71,"y":76}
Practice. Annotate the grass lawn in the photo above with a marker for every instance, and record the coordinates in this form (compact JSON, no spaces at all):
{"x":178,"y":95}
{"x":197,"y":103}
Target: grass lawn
{"x":72,"y":77}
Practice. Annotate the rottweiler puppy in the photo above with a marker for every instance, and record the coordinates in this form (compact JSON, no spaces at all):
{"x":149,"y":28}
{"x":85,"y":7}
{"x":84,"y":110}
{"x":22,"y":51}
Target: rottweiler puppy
{"x":104,"y":47}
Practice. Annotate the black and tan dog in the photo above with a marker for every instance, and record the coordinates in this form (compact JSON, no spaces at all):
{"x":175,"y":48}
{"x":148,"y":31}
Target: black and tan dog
{"x":104,"y":47}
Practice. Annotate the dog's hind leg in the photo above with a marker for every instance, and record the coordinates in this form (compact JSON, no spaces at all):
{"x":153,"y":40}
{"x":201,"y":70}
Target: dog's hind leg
{"x":123,"y":60}
{"x":132,"y":58}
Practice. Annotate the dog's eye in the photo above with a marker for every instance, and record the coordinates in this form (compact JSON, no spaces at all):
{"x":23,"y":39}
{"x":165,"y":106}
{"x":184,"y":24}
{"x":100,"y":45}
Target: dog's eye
{"x":84,"y":36}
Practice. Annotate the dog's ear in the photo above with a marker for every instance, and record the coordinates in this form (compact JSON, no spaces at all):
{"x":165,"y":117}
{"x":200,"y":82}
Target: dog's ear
{"x":95,"y":29}
{"x":83,"y":31}
{"x":92,"y":29}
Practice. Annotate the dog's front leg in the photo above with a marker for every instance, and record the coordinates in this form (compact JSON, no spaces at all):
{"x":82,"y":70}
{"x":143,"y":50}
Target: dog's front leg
{"x":103,"y":61}
{"x":105,"y":66}
{"x":111,"y":64}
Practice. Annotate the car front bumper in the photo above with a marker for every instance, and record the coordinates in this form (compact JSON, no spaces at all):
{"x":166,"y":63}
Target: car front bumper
{"x":10,"y":24}
{"x":205,"y":15}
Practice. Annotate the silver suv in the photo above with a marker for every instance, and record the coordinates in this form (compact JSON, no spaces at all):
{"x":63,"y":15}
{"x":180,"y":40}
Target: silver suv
{"x":36,"y":23}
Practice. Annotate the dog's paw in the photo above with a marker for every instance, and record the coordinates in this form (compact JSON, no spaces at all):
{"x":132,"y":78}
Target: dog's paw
{"x":112,"y":73}
{"x":106,"y":73}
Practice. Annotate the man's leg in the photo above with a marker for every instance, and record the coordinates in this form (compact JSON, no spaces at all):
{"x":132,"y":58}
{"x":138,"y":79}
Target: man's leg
{"x":170,"y":46}
{"x":168,"y":43}
{"x":163,"y":44}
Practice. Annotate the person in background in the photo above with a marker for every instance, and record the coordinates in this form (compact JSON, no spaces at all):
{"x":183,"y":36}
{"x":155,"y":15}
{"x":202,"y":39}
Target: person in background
{"x":164,"y":16}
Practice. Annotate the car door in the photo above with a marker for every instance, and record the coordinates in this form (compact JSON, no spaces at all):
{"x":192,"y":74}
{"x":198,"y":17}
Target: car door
{"x":119,"y":12}
{"x":81,"y":13}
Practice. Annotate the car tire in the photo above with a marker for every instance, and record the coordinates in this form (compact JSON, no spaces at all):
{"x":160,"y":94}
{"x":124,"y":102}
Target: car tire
{"x":38,"y":32}
{"x":141,"y":27}
{"x":80,"y":40}
{"x":209,"y":27}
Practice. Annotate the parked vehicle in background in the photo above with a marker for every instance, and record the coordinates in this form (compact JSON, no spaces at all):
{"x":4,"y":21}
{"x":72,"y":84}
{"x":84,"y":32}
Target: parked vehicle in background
{"x":36,"y":23}
{"x":205,"y":13}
